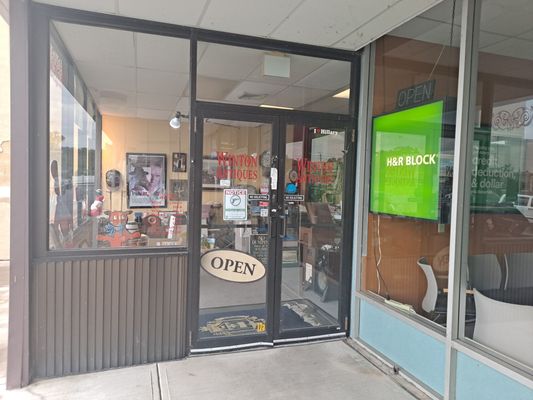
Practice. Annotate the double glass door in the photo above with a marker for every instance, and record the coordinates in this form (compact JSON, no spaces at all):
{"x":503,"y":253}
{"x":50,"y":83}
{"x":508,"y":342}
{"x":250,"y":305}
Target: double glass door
{"x":271,"y":233}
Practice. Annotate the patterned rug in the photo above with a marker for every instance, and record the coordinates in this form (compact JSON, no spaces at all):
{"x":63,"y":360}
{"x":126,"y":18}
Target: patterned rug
{"x":238,"y":321}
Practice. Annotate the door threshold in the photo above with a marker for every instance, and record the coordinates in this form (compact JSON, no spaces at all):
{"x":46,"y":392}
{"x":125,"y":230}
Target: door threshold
{"x":229,"y":348}
{"x":245,"y":346}
{"x":310,"y":338}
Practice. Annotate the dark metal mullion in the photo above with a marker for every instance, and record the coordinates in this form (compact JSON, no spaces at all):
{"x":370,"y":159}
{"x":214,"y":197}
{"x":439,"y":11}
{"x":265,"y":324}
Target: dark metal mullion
{"x":345,"y":271}
{"x":195,"y":200}
{"x":260,"y":43}
{"x":161,"y":28}
{"x":82,"y":17}
{"x":278,"y":148}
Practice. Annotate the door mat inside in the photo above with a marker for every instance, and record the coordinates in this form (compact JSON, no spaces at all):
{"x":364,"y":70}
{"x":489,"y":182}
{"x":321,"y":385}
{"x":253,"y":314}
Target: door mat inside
{"x":249,"y":320}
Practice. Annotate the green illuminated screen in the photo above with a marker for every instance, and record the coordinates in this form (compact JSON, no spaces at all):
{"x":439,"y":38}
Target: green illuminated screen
{"x":405,"y":162}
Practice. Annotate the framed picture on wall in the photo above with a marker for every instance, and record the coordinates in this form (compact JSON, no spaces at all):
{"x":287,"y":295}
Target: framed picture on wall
{"x":213,"y":175}
{"x":178,"y":189}
{"x":146,"y":180}
{"x":179,"y":162}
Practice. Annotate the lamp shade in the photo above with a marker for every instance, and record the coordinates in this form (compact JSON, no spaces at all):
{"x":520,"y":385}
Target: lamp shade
{"x":175,"y":121}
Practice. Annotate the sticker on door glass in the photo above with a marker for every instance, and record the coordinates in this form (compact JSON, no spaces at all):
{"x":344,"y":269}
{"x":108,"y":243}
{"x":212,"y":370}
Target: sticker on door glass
{"x":235,"y":205}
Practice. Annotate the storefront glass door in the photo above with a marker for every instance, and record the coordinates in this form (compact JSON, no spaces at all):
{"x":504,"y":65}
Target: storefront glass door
{"x":235,"y":244}
{"x":312,"y":227}
{"x":271,"y":230}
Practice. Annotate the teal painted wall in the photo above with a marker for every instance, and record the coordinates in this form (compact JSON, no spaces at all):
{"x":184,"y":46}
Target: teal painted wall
{"x":476,"y":380}
{"x":415,"y":352}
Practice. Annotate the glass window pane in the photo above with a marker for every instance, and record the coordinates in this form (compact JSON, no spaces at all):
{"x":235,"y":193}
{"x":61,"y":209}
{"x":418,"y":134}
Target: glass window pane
{"x":413,"y":132}
{"x":500,"y":249}
{"x":252,"y":77}
{"x":312,"y":234}
{"x":236,"y":165}
{"x":123,"y":185}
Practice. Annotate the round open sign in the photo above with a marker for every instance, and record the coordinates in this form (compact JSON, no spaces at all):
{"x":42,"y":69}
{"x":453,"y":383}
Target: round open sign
{"x":232,"y":266}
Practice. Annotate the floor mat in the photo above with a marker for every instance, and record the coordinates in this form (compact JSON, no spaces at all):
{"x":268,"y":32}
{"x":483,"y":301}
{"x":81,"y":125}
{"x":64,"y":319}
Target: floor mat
{"x":250,"y":320}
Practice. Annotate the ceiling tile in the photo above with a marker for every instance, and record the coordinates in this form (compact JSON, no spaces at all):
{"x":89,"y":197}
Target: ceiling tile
{"x":300,"y":67}
{"x":414,"y":28}
{"x":325,"y":22}
{"x":115,"y":103}
{"x":253,"y":93}
{"x":213,"y":88}
{"x":331,"y":76}
{"x":156,"y":101}
{"x":87,"y":43}
{"x":296,"y":97}
{"x":512,"y":47}
{"x":184,"y":105}
{"x":487,"y":39}
{"x":104,"y":6}
{"x":394,"y":16}
{"x":229,"y":62}
{"x":148,"y":113}
{"x":166,"y":83}
{"x":107,"y":77}
{"x":506,"y":19}
{"x":443,"y":12}
{"x":162,"y":53}
{"x":180,"y":12}
{"x":527,"y":35}
{"x":257,"y":18}
{"x":329,"y":104}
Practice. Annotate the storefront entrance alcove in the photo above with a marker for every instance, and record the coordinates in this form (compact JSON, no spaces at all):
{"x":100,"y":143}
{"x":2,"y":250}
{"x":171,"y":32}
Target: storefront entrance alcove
{"x":128,"y":204}
{"x":272,"y":264}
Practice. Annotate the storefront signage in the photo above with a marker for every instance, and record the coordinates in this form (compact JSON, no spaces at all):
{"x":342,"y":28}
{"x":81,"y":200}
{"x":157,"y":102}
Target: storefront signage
{"x":315,"y":171}
{"x":237,"y":166}
{"x":235,"y":205}
{"x":415,"y":95}
{"x":406,"y":162}
{"x":254,"y":196}
{"x":232,"y":266}
{"x":294,"y":197}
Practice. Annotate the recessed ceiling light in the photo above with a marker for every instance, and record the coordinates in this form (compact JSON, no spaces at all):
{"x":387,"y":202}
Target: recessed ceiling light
{"x":345,"y":94}
{"x":278,"y":107}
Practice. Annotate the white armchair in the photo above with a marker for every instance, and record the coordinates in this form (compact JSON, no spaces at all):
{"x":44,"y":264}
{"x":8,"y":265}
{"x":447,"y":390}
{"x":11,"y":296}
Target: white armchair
{"x":519,"y":270}
{"x":504,"y":327}
{"x":484,"y":271}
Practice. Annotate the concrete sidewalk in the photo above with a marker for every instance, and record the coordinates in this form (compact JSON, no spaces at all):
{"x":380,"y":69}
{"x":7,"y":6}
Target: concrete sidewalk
{"x":327,"y":370}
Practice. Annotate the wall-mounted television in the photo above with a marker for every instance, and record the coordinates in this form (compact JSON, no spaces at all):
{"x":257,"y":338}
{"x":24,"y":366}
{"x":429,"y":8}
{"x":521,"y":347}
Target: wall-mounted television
{"x":406,"y":153}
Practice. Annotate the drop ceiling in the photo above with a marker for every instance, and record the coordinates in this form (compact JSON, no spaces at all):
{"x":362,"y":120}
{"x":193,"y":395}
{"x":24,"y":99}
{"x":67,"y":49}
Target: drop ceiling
{"x":146,"y":76}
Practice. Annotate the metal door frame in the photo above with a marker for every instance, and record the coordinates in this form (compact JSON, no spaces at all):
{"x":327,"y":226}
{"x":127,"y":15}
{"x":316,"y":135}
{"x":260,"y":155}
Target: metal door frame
{"x":279,"y":120}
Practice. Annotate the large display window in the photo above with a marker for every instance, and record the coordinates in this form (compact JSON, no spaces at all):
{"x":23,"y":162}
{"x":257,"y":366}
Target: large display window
{"x":406,"y":255}
{"x":498,"y":270}
{"x":118,"y":173}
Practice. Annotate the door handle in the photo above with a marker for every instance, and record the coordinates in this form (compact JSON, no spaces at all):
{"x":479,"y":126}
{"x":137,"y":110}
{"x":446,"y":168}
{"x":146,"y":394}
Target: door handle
{"x":283,"y":219}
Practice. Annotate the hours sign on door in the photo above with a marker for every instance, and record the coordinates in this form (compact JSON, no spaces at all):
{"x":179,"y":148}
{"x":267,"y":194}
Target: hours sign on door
{"x":235,"y":204}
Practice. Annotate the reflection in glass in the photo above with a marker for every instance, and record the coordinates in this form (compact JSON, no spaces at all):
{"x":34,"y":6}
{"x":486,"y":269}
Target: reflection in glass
{"x":235,"y":231}
{"x":500,"y":248}
{"x":112,"y":178}
{"x":406,"y":258}
{"x":240,"y":75}
{"x":314,"y":171}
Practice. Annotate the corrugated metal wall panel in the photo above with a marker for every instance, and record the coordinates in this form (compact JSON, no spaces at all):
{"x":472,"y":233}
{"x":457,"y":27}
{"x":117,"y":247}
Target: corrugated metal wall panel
{"x":89,"y":315}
